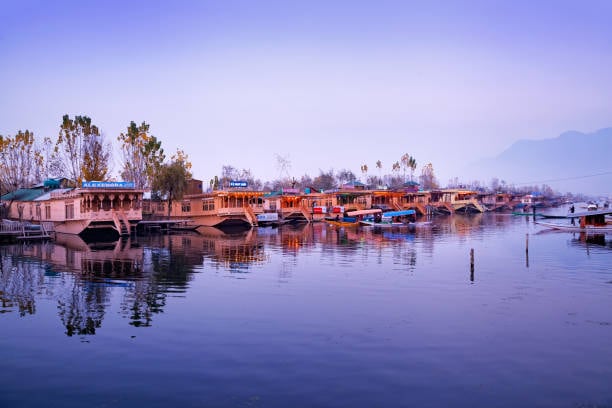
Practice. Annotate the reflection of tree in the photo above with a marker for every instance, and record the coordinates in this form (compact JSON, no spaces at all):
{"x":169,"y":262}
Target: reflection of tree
{"x":84,"y":278}
{"x":20,"y":281}
{"x":82,"y":309}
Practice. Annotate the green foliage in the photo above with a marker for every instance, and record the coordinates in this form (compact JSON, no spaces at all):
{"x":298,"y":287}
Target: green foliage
{"x":171,"y":181}
{"x":142,"y":155}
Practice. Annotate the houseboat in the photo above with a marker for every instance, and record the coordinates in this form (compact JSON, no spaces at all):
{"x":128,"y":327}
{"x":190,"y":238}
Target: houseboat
{"x":290,"y":206}
{"x":233,"y":208}
{"x":96,"y":210}
{"x":451,"y":200}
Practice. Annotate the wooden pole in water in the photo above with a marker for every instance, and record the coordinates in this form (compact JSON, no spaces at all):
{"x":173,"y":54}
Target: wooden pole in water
{"x":472,"y":264}
{"x":527,"y":250}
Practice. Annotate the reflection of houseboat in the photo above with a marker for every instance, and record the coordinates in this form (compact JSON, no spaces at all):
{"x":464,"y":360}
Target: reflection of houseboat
{"x":120,"y":259}
{"x":100,"y":209}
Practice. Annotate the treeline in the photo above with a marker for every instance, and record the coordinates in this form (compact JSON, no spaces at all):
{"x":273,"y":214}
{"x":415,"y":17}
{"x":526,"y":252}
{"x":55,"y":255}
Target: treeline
{"x":402,"y":172}
{"x":82,"y":153}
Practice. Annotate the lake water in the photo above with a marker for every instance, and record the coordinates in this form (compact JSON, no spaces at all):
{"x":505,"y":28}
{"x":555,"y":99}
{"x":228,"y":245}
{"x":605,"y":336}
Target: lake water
{"x":312,"y":316}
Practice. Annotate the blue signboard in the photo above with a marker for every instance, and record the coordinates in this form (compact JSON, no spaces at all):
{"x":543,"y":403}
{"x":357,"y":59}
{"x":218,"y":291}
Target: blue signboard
{"x":235,"y":183}
{"x":108,"y":184}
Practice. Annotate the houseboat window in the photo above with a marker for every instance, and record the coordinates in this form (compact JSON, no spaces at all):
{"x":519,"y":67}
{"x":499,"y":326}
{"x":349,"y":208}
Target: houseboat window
{"x":146,"y":206}
{"x":186,"y":206}
{"x":160,"y":206}
{"x":69,"y":211}
{"x":38,"y":212}
{"x":208,"y":204}
{"x":106,"y":204}
{"x":48,"y":211}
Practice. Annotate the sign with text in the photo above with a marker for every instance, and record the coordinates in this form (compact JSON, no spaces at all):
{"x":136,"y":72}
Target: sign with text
{"x":238,"y":183}
{"x":108,"y":184}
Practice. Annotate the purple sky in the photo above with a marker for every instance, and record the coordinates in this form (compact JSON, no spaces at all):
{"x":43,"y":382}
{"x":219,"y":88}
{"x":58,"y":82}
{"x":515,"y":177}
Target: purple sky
{"x":325,"y":84}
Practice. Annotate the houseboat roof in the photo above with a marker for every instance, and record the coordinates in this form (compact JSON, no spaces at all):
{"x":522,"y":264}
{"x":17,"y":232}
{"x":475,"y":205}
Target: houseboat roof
{"x":47,"y":194}
{"x":398,"y":213}
{"x":364,"y":212}
{"x":23,"y":194}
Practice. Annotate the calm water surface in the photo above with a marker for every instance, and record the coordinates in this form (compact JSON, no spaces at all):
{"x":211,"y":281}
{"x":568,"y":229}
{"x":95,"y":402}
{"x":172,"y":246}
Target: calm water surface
{"x":312,"y":317}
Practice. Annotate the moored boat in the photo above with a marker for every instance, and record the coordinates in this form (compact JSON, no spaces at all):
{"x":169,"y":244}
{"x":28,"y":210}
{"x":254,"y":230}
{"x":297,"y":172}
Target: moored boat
{"x":352,"y":218}
{"x":392,"y":219}
{"x":95,"y":210}
{"x":591,"y":222}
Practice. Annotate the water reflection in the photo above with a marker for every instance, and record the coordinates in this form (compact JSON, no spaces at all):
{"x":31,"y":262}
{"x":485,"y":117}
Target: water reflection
{"x":600,"y":241}
{"x":84,"y":278}
{"x":141,"y":274}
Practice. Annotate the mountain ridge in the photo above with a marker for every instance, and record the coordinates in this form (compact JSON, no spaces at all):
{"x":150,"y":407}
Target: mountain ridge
{"x":574,"y":162}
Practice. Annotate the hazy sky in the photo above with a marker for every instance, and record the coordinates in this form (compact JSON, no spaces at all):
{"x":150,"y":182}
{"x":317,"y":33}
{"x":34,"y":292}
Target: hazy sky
{"x":327,"y":84}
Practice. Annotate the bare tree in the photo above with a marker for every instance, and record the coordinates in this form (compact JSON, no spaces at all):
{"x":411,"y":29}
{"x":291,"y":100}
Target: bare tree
{"x":19,"y":159}
{"x":77,"y":139}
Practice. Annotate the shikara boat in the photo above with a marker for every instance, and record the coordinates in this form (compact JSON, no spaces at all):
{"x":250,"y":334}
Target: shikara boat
{"x":391,"y":219}
{"x":352,"y":218}
{"x":592,"y":222}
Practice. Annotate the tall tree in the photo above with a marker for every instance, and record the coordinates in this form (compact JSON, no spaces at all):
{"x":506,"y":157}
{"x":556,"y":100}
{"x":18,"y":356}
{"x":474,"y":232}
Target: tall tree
{"x":19,"y":159}
{"x":345,"y":176}
{"x":364,"y":170}
{"x":324,"y":181}
{"x":142,"y":155}
{"x":408,"y":162}
{"x":77,"y":138}
{"x":51,"y":164}
{"x":171,"y":181}
{"x":395,"y":168}
{"x":379,"y":167}
{"x":96,"y":157}
{"x":413,"y":165}
{"x":428,"y":179}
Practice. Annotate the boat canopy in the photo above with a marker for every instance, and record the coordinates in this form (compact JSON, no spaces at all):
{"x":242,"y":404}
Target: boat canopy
{"x":364,"y":212}
{"x":589,"y":213}
{"x":399,"y":213}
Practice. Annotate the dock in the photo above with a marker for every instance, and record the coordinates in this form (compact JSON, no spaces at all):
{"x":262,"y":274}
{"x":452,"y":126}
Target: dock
{"x":167,"y":225}
{"x":16,"y":231}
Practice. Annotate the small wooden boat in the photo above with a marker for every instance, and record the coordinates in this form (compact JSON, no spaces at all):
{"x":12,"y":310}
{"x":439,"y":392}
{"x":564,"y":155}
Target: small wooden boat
{"x":352,"y":218}
{"x":591,"y":222}
{"x":391,"y":219}
{"x":342,"y":221}
{"x":526,"y":214}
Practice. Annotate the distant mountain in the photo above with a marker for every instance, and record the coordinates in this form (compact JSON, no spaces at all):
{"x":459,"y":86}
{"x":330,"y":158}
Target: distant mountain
{"x":573,"y":162}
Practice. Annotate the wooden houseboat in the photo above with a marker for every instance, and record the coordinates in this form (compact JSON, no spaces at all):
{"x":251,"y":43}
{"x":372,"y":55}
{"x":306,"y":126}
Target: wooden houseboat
{"x":97,"y":210}
{"x":496,"y":201}
{"x":451,"y":200}
{"x":233,"y":208}
{"x":291,"y":206}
